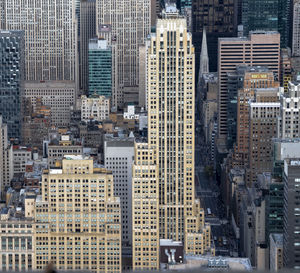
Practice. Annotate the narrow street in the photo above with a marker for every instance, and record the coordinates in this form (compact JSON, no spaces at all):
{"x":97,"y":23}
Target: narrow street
{"x":209,"y":194}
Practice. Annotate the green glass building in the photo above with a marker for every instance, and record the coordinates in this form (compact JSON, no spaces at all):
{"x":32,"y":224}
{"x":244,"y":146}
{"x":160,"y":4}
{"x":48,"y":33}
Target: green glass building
{"x":272,"y":15}
{"x":100,"y":68}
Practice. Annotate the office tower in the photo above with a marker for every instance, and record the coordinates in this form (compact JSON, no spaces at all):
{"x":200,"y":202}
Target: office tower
{"x":78,"y":218}
{"x":181,"y":4}
{"x":59,"y":95}
{"x":260,"y":15}
{"x":264,"y":110}
{"x":12,"y":77}
{"x":155,"y":12}
{"x":276,"y":250}
{"x":169,"y":153}
{"x":87,"y":32}
{"x":288,"y":121}
{"x":145,"y":209}
{"x":259,"y":49}
{"x":6,"y":158}
{"x":219,"y":19}
{"x":130,"y":22}
{"x":100,"y":67}
{"x":296,"y":29}
{"x":283,"y":149}
{"x":241,"y":90}
{"x":285,"y":14}
{"x":271,"y":15}
{"x":291,"y":236}
{"x":118,"y":157}
{"x":94,"y":107}
{"x":50,"y":48}
{"x":252,"y":225}
{"x":285,"y":68}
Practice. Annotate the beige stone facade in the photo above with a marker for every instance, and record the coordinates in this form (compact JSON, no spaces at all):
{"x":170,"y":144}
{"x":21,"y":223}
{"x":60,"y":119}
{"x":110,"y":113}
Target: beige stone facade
{"x":169,"y":153}
{"x":78,"y":219}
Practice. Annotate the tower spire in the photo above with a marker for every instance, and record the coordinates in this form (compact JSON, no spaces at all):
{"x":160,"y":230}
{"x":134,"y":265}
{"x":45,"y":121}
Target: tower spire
{"x":204,"y":61}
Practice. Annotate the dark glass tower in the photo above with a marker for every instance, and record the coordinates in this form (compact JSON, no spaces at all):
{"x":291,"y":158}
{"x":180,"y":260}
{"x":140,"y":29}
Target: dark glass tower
{"x":11,"y":79}
{"x":219,"y":19}
{"x":267,"y":15}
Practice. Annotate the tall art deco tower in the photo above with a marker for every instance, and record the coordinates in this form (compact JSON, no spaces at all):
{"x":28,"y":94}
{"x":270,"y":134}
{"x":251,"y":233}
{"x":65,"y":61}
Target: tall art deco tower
{"x":163,"y":177}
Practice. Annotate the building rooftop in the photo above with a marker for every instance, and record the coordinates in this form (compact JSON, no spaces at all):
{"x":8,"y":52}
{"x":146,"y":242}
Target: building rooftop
{"x":169,"y":242}
{"x":76,"y":157}
{"x":213,"y":263}
{"x":277,"y":238}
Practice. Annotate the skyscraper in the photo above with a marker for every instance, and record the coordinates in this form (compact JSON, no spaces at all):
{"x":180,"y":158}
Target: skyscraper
{"x":100,"y":68}
{"x":288,"y":121}
{"x":11,"y":79}
{"x":264,"y":110}
{"x":118,"y":157}
{"x":260,"y":49}
{"x":271,"y":15}
{"x":241,"y":91}
{"x":219,"y":19}
{"x":130,"y":22}
{"x":87,"y":32}
{"x":6,"y":158}
{"x":260,"y":15}
{"x":296,"y":29}
{"x":50,"y":36}
{"x":291,"y":235}
{"x":169,"y":153}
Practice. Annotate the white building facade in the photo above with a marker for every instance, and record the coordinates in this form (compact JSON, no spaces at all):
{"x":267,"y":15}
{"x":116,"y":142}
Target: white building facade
{"x":95,"y":108}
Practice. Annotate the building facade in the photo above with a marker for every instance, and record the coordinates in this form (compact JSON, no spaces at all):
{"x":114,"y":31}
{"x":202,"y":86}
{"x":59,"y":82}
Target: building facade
{"x":21,"y":155}
{"x":267,"y":15}
{"x":296,"y":29}
{"x":130,"y":22}
{"x":87,"y":32}
{"x":6,"y":158}
{"x":74,"y":231}
{"x":145,"y":209}
{"x":289,"y":112}
{"x":95,"y":108}
{"x":291,"y":236}
{"x":100,"y":68}
{"x":168,"y":155}
{"x":49,"y":49}
{"x":263,"y":126}
{"x":276,"y":252}
{"x":59,"y":95}
{"x":248,"y":51}
{"x":219,"y":18}
{"x":17,"y":245}
{"x":12,"y":77}
{"x":118,"y":158}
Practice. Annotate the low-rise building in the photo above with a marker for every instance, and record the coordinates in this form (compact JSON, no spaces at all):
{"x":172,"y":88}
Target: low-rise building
{"x":94,"y":107}
{"x":57,"y":149}
{"x":21,"y":156}
{"x":59,"y":95}
{"x":212,"y":263}
{"x":17,"y":252}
